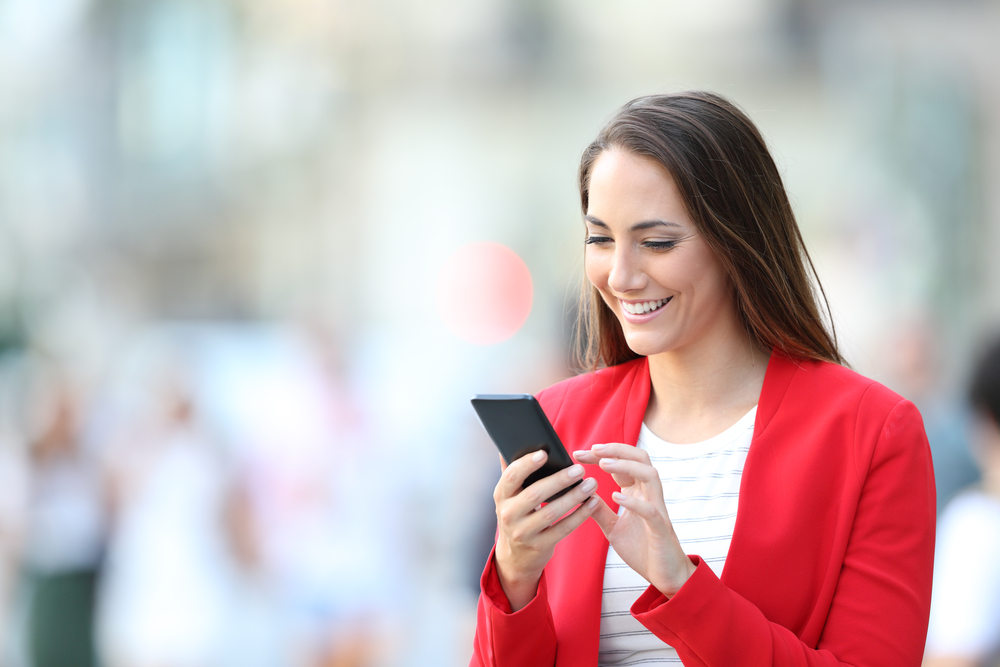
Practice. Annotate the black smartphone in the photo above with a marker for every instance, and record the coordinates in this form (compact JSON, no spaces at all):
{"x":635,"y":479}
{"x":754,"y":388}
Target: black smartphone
{"x":518,"y":426}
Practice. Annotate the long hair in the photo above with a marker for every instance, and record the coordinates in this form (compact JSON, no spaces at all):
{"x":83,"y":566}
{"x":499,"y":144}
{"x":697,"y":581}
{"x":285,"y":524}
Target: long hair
{"x":733,"y":191}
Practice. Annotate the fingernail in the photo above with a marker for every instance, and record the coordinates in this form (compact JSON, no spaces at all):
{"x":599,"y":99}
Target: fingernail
{"x":608,"y":463}
{"x":597,"y":447}
{"x":618,"y":497}
{"x":538,"y":456}
{"x":588,"y":485}
{"x":575,"y":470}
{"x":593,"y":503}
{"x":579,"y":452}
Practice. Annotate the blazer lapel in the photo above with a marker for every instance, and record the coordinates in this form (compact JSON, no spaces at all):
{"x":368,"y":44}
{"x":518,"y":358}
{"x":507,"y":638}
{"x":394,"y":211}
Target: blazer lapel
{"x":747,"y":559}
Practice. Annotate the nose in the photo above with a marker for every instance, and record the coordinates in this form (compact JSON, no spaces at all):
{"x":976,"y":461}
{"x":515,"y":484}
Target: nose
{"x":626,"y":272}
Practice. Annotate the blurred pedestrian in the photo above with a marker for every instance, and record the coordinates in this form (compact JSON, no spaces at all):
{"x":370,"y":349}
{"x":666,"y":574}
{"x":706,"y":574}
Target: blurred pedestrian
{"x":165,"y":598}
{"x":913,"y":356}
{"x":65,"y":533}
{"x":965,"y":610}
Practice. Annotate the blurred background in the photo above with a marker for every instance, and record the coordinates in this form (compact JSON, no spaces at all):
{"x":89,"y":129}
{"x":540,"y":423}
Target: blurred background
{"x":240,"y":243}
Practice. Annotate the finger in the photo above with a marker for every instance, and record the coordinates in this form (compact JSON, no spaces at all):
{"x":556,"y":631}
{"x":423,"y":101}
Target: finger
{"x":620,"y":450}
{"x":637,"y":505}
{"x":514,"y":474}
{"x":503,"y":464}
{"x":640,"y":471}
{"x":605,"y":517}
{"x":525,"y":524}
{"x":595,"y":453}
{"x":551,"y":513}
{"x":539,"y":492}
{"x":622,"y":479}
{"x":572,"y":521}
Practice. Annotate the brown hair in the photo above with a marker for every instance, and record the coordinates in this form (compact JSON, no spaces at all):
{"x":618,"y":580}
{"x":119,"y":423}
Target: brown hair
{"x":733,"y":191}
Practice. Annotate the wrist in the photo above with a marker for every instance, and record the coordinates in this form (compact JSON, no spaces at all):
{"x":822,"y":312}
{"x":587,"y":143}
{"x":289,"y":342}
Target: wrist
{"x":519,"y":587}
{"x":671,"y":587}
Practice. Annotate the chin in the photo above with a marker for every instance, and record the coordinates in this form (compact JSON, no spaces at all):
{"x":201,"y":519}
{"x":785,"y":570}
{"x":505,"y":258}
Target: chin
{"x":642,"y":345}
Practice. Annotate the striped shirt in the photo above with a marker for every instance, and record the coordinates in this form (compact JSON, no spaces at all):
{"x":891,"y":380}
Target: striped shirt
{"x":701,"y":485}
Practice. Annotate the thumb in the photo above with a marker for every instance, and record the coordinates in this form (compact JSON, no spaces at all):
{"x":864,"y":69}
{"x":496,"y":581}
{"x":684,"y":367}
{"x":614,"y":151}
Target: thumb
{"x":605,"y":517}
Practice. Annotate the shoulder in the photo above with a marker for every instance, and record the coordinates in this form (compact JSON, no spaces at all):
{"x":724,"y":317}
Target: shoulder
{"x":847,"y":414}
{"x":826,"y":378}
{"x":596,"y":382}
{"x":595,"y":385}
{"x":608,"y":389}
{"x":828,"y":402}
{"x":825,"y":387}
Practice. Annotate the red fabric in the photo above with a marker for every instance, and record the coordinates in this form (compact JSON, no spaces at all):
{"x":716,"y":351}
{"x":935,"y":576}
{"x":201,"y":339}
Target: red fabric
{"x":831,"y":557}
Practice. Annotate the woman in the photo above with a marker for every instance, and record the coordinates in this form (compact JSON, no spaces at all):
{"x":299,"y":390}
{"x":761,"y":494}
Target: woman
{"x":800,"y":494}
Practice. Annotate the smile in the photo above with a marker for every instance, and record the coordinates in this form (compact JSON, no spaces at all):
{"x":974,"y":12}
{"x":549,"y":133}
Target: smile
{"x":644,"y":307}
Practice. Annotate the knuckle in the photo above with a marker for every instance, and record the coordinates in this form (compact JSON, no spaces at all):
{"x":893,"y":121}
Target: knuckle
{"x":549,"y":514}
{"x":569,"y":524}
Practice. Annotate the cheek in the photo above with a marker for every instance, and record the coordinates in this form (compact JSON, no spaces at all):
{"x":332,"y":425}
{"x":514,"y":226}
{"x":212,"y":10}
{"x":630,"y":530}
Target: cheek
{"x":595,"y":268}
{"x":711,"y":274}
{"x":717,"y":292}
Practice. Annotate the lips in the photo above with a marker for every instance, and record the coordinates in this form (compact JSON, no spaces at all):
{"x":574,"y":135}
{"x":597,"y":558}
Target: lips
{"x":644,"y":306}
{"x":638,"y":312}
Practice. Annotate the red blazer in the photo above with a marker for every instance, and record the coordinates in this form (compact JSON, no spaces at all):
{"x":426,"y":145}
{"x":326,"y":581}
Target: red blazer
{"x":831,"y":557}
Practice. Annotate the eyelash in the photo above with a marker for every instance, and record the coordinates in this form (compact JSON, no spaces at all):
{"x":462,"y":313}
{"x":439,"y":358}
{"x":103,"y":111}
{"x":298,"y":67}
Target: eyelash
{"x":653,"y":245}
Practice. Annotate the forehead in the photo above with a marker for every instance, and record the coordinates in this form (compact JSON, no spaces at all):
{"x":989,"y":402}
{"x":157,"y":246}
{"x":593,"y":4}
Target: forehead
{"x":626,"y":188}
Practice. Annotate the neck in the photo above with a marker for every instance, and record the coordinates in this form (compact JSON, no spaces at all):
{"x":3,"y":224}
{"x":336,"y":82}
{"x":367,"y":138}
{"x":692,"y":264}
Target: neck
{"x":700,"y":390}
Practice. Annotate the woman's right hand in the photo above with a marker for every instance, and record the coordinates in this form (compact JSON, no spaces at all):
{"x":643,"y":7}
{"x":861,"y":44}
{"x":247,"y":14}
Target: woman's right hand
{"x":528,"y":532}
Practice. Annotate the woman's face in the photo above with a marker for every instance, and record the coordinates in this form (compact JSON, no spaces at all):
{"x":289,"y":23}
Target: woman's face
{"x":645,"y":256}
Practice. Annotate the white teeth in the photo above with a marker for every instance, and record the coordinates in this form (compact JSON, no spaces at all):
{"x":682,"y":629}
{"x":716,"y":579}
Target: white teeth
{"x":644,"y":307}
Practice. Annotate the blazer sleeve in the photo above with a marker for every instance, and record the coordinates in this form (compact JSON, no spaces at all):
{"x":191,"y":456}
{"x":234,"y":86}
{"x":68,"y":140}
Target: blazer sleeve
{"x":522,"y":638}
{"x":879,"y":612}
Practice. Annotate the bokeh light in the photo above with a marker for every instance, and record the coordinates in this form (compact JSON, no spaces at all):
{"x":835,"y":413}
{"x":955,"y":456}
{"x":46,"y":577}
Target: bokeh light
{"x":484,"y":293}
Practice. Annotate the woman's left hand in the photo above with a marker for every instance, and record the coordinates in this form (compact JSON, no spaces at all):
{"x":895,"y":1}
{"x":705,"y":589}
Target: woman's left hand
{"x":642,"y":535}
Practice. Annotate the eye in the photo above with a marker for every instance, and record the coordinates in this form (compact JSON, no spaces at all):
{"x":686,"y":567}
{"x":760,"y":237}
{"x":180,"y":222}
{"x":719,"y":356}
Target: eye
{"x":598,"y":240}
{"x":660,"y":245}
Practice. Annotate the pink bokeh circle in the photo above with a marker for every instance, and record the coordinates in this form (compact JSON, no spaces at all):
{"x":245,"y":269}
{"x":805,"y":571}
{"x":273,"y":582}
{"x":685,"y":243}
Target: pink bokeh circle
{"x":484,"y":293}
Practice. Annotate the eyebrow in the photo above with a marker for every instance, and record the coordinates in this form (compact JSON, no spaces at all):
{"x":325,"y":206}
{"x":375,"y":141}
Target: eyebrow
{"x":645,"y":224}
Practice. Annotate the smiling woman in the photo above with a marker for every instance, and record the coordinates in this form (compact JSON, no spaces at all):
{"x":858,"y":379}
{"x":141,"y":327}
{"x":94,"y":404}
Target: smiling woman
{"x":754,"y":502}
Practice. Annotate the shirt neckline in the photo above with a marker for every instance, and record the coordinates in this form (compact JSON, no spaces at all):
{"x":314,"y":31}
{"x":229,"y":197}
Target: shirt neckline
{"x":716,"y":442}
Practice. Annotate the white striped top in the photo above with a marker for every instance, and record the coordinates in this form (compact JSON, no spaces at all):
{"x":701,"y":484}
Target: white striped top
{"x":701,"y":487}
